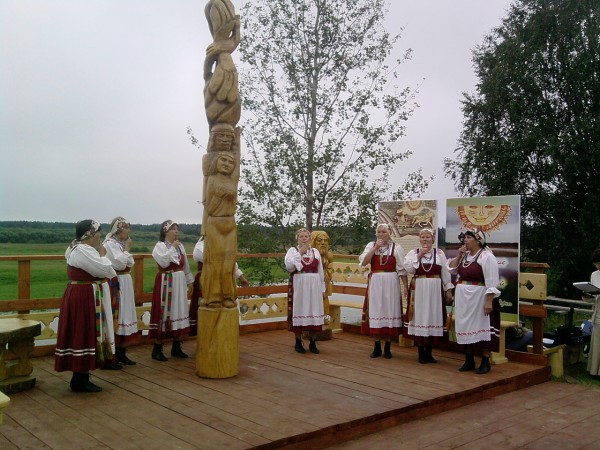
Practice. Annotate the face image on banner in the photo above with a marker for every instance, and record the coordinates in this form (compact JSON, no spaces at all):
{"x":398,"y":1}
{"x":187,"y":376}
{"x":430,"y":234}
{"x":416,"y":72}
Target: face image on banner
{"x":500,"y":219}
{"x":407,"y":218}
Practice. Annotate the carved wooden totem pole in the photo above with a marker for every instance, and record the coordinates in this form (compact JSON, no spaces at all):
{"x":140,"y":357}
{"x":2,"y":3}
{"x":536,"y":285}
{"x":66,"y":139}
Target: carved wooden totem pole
{"x":218,"y":323}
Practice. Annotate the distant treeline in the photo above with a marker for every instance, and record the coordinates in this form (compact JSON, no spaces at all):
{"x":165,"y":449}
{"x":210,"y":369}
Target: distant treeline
{"x":25,"y":232}
{"x":251,"y":238}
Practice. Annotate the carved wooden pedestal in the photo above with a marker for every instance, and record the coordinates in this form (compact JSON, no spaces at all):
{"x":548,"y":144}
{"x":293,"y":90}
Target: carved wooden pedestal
{"x":17,"y":335}
{"x":217,"y":353}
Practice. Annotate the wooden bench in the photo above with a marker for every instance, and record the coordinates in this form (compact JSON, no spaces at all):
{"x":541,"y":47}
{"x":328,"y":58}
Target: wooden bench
{"x":499,"y":357}
{"x":4,"y":402}
{"x":17,"y":337}
{"x":555,"y":359}
{"x":533,"y":290}
{"x":349,"y":280}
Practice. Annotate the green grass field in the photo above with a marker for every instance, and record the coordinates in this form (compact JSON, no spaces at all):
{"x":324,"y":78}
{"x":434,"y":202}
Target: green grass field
{"x":49,"y":278}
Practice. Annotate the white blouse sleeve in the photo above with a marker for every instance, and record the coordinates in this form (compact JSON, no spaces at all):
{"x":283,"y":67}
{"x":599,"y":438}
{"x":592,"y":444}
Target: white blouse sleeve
{"x":489,"y":264}
{"x":238,"y":271}
{"x":165,"y":256}
{"x":410,"y":262}
{"x":119,"y":258}
{"x":595,"y":280}
{"x":87,"y":258}
{"x":452,"y":270}
{"x":445,"y":273}
{"x":399,"y":255}
{"x":367,"y":249}
{"x":189,"y":277}
{"x":198,"y":253}
{"x":293,"y":260}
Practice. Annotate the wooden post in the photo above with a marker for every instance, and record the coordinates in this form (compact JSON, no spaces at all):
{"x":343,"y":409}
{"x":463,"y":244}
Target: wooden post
{"x":217,"y":354}
{"x":24,"y":282}
{"x":138,"y":276}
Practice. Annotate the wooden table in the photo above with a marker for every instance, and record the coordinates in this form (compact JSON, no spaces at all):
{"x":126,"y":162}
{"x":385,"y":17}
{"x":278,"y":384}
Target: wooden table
{"x":17,"y":337}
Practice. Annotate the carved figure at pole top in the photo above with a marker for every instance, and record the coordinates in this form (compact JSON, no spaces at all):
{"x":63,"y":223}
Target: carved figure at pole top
{"x":221,"y":93}
{"x":221,"y":167}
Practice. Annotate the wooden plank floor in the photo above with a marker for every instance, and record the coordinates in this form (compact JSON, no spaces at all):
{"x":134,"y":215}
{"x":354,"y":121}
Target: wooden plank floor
{"x":550,"y":415}
{"x":279,"y":398}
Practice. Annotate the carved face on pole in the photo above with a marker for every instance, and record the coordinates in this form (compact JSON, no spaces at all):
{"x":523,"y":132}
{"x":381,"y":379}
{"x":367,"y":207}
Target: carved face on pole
{"x":320,"y":240}
{"x":225,"y":164}
{"x":222,"y":138}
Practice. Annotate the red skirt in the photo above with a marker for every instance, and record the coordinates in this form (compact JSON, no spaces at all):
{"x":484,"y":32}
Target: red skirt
{"x":76,"y":341}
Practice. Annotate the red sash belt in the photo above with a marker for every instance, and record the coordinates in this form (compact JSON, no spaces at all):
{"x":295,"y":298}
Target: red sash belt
{"x":170,"y":271}
{"x":472,"y":283}
{"x":88,"y":282}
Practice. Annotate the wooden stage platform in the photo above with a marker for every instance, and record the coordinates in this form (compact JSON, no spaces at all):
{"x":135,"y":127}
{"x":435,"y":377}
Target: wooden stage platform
{"x":279,"y":399}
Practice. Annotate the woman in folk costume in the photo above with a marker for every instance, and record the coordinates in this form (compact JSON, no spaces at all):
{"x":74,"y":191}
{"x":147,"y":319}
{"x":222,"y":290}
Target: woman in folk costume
{"x":85,"y":327}
{"x":306,"y":291}
{"x":169,"y":316}
{"x":382,"y":309}
{"x":117,"y":244}
{"x":430,"y":289}
{"x":476,"y":300}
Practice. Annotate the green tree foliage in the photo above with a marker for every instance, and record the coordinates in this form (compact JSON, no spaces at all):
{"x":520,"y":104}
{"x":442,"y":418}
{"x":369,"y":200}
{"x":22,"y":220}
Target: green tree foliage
{"x":532,"y":127}
{"x":321,"y":112}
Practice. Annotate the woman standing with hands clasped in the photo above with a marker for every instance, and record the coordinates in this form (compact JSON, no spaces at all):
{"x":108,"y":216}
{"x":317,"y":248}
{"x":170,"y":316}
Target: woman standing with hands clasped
{"x":476,"y":307}
{"x":117,"y":244}
{"x":85,"y":335}
{"x":382,"y":309}
{"x":430,"y":290}
{"x":306,"y":291}
{"x":169,"y":315}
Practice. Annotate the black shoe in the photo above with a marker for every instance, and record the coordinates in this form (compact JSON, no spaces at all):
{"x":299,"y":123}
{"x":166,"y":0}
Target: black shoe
{"x":89,"y":386}
{"x":111,"y":366}
{"x":422,"y":358}
{"x":387,"y":353}
{"x":485,"y":366}
{"x":376,"y":350}
{"x":157,"y":353}
{"x":313,"y":347}
{"x":299,"y":347}
{"x":80,"y":382}
{"x":428,"y":356}
{"x":122,"y":357}
{"x":469,"y":363}
{"x":177,"y":350}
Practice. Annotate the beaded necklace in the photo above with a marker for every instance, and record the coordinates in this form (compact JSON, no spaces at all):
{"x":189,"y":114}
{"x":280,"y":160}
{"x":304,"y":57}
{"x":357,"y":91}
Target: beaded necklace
{"x":170,"y":245}
{"x":429,"y":260}
{"x":466,"y":264}
{"x":383,"y":251}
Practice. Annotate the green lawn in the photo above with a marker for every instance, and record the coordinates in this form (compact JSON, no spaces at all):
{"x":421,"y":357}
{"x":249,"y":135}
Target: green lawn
{"x":48,"y":278}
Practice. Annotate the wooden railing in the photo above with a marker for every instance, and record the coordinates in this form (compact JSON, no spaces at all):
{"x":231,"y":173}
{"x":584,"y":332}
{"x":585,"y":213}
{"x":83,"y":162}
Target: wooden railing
{"x":256,"y":303}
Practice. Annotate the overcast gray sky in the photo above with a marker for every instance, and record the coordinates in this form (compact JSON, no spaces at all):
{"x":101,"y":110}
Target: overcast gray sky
{"x":96,"y":96}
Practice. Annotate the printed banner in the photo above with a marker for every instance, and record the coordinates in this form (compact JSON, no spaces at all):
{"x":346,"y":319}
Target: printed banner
{"x":407,"y":218}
